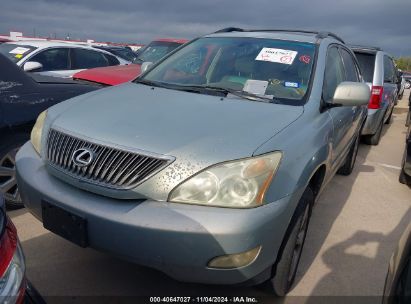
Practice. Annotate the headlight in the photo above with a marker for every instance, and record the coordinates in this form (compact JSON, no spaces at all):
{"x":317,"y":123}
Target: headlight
{"x":37,"y":131}
{"x":236,"y":184}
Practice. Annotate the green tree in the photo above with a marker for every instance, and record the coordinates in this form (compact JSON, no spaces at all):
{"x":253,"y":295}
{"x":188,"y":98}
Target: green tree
{"x":404,"y":63}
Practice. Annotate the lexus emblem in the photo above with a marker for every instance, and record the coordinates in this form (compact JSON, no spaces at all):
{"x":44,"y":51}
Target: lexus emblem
{"x":83,"y":157}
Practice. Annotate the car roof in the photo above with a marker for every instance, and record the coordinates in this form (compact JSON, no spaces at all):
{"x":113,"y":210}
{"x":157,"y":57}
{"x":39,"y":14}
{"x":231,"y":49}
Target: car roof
{"x":180,"y":41}
{"x":281,"y":34}
{"x":45,"y":44}
{"x":109,"y":47}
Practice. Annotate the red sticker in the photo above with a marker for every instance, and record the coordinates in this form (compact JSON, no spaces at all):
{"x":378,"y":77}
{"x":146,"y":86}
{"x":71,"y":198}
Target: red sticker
{"x":305,"y":58}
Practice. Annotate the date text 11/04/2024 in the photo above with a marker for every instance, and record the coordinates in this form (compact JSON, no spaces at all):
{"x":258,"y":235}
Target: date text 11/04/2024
{"x":203,"y":300}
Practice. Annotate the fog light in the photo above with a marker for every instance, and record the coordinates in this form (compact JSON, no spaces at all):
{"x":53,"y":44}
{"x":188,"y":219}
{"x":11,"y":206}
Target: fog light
{"x":235,"y":260}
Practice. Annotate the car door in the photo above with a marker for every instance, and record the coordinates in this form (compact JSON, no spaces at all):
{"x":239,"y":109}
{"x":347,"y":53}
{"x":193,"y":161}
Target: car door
{"x":341,"y":116}
{"x":390,"y":86}
{"x":55,"y":61}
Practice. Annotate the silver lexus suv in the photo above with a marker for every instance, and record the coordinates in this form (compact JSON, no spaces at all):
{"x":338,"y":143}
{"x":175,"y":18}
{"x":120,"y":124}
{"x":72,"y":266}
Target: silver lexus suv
{"x":380,"y":73}
{"x":207,"y":166}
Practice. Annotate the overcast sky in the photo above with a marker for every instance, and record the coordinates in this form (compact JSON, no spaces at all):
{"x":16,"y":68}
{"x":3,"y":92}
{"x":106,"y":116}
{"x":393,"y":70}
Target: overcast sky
{"x":384,"y":23}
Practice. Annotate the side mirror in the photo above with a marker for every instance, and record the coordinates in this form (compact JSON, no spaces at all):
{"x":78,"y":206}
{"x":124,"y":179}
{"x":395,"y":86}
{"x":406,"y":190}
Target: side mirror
{"x":351,"y":94}
{"x":32,"y":66}
{"x":146,"y":66}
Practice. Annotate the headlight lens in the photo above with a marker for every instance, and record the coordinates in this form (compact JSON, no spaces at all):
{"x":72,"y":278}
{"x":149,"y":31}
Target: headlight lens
{"x":236,"y":184}
{"x":37,"y":131}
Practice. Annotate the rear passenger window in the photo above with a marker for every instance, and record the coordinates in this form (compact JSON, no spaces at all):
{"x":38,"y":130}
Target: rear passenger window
{"x":389,"y":71}
{"x":334,"y":73}
{"x":351,"y":72}
{"x":112,"y":60}
{"x":87,"y":59}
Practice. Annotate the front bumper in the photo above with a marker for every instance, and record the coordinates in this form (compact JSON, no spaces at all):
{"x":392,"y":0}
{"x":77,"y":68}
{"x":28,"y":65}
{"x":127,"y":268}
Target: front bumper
{"x":373,"y":120}
{"x":177,"y":239}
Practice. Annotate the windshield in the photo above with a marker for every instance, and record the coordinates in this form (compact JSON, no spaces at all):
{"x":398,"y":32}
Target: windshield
{"x":156,"y":50}
{"x":15,"y":52}
{"x":265,"y":67}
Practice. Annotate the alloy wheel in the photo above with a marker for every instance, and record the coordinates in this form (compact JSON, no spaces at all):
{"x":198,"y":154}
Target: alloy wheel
{"x":8,"y":181}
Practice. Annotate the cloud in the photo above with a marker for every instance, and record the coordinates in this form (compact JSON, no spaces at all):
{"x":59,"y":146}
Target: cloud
{"x":370,"y":22}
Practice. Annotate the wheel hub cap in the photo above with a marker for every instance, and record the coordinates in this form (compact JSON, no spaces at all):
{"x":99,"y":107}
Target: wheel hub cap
{"x":8,"y":182}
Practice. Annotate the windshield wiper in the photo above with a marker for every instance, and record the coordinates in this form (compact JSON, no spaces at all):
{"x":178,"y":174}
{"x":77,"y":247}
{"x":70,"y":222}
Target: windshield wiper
{"x":226,"y":91}
{"x":205,"y":88}
{"x":151,"y":83}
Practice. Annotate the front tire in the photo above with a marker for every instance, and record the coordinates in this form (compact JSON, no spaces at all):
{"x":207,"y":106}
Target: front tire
{"x":286,"y":265}
{"x":8,"y":182}
{"x":349,"y":163}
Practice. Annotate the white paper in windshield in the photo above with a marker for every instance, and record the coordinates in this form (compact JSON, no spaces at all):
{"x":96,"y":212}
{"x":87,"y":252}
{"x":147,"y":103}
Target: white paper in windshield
{"x":257,"y":87}
{"x":277,"y":55}
{"x":19,"y":50}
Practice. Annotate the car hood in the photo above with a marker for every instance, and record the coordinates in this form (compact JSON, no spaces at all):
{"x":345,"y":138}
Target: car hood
{"x":197,"y":130}
{"x":112,"y":75}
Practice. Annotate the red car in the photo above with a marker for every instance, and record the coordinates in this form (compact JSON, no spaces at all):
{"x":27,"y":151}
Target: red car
{"x":114,"y":75}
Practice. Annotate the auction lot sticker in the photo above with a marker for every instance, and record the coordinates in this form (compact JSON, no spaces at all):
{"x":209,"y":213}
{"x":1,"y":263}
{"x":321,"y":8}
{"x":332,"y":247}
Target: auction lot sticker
{"x":19,"y":50}
{"x":277,"y":55}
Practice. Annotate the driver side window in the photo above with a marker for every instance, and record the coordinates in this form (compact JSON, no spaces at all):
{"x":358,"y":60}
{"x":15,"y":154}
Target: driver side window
{"x":334,"y":73}
{"x":56,"y":59}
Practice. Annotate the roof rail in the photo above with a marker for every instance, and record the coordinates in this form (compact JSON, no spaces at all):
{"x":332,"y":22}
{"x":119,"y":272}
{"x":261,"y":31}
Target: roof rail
{"x":329,"y":34}
{"x":364,"y":47}
{"x":318,"y":34}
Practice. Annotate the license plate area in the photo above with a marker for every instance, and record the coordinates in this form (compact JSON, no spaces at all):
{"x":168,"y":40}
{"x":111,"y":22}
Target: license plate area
{"x":70,"y":226}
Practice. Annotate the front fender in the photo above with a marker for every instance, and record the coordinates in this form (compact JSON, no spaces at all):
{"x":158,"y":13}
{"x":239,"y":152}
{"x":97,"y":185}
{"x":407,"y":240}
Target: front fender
{"x":306,"y":145}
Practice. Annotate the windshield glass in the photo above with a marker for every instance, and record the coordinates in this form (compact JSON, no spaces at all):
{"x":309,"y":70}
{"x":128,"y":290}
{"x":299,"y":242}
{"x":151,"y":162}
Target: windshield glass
{"x":156,"y":50}
{"x":265,"y":67}
{"x":15,"y":52}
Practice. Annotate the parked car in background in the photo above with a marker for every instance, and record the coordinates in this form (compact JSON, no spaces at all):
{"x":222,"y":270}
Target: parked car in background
{"x":120,"y":51}
{"x":57,"y":58}
{"x":22,"y":99}
{"x":402,"y":86}
{"x":407,"y":78}
{"x":14,"y":286}
{"x":405,"y":175}
{"x":380,"y":73}
{"x":220,"y":188}
{"x":3,"y":40}
{"x":153,"y":52}
{"x":397,"y":288}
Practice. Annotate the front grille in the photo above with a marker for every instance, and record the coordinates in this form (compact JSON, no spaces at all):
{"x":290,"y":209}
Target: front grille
{"x":113,"y":168}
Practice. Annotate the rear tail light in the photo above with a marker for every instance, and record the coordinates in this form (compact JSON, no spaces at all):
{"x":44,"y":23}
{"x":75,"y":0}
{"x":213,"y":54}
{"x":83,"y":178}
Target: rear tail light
{"x":376,"y":96}
{"x":12,"y":267}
